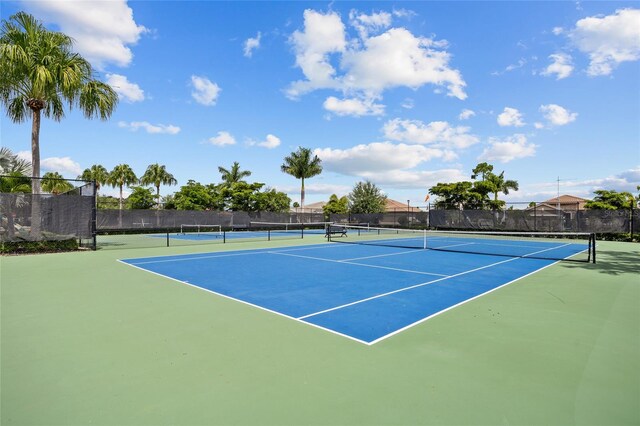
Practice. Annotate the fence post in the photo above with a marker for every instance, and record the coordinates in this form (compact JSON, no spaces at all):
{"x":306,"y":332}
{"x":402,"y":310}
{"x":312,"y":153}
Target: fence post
{"x":94,"y":217}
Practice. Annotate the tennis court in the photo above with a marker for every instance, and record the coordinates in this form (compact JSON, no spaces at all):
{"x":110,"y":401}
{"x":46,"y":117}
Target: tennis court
{"x":301,"y":331}
{"x":379,"y":284}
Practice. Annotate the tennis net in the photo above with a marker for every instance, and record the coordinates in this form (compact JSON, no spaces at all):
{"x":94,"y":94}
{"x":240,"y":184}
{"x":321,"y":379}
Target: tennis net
{"x":293,"y":227}
{"x":536,"y":245}
{"x":197,"y":228}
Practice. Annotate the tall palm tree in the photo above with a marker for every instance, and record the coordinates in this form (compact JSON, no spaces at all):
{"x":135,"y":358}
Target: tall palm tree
{"x":233,"y":175}
{"x":157,"y":175}
{"x":55,"y":183}
{"x":122,"y":175}
{"x":302,"y":164}
{"x":11,"y":163}
{"x":98,"y":174}
{"x":499,"y":184}
{"x":39,"y":74}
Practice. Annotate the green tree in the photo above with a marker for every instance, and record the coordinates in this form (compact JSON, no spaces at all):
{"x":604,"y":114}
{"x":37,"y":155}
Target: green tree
{"x":610,"y":200}
{"x":454,"y":195}
{"x":140,"y":198}
{"x":271,"y":200}
{"x":97,"y":174}
{"x":55,"y":183}
{"x":500,"y":185}
{"x":482,"y":169}
{"x":335,"y":205}
{"x":157,"y":175}
{"x":196,"y":196}
{"x":39,"y":74}
{"x":302,"y":164}
{"x":366,"y":197}
{"x":122,"y":175}
{"x":234,"y":174}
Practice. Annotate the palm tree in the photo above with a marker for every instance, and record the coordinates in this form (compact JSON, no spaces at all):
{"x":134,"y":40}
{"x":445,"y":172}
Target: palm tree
{"x":301,"y":165}
{"x":499,"y":184}
{"x":234,"y":175}
{"x":122,"y":175}
{"x":157,"y":175}
{"x":39,"y":73}
{"x":13,"y":181}
{"x":54,"y":183}
{"x":98,"y":174}
{"x":11,"y":163}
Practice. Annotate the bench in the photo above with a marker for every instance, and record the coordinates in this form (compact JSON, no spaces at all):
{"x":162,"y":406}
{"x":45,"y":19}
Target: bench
{"x":239,"y":227}
{"x":336,"y":230}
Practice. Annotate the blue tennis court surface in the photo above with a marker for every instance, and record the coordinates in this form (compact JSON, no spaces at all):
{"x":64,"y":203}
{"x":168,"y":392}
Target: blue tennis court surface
{"x":364,"y":292}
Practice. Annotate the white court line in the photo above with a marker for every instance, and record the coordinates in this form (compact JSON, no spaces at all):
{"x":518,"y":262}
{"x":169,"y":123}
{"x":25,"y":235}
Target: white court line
{"x":184,"y":257}
{"x":248,"y":304}
{"x":413,"y":286}
{"x":378,"y":255}
{"x":360,"y":264}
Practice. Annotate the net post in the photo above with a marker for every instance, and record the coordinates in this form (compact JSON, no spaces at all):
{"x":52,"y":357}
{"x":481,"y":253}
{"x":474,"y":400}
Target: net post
{"x":302,"y":231}
{"x":167,"y":238}
{"x":268,"y":234}
{"x":224,"y":237}
{"x":593,"y":248}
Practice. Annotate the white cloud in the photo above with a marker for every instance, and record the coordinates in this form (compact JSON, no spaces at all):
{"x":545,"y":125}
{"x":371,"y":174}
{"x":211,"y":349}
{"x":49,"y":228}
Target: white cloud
{"x":521,"y":62}
{"x":437,"y":133}
{"x":557,"y":30}
{"x":63,"y":165}
{"x":24,"y":155}
{"x":509,"y":149}
{"x":366,"y":24}
{"x":126,"y":90}
{"x":204,"y":91}
{"x":510,"y":117}
{"x":103,"y":30}
{"x":408,"y":103}
{"x":608,"y":40}
{"x":222,"y":139}
{"x":557,"y":115}
{"x":150,"y":128}
{"x":538,"y":125}
{"x":397,"y":58}
{"x":322,"y":36}
{"x":270,"y":142}
{"x":376,"y":157}
{"x":252,"y":44}
{"x":369,"y":65}
{"x":561,"y":66}
{"x":316,"y":188}
{"x":410,"y":179}
{"x":354,"y":107}
{"x":466,"y":114}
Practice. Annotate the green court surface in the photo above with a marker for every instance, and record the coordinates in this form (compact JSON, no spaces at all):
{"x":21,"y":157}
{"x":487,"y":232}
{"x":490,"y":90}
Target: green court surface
{"x":86,"y":339}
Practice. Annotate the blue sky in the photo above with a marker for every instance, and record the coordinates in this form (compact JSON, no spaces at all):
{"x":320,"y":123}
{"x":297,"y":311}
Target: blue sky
{"x":405,"y":94}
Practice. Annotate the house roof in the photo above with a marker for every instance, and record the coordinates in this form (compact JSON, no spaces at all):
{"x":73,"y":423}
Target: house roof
{"x":566,"y":199}
{"x":393,"y":205}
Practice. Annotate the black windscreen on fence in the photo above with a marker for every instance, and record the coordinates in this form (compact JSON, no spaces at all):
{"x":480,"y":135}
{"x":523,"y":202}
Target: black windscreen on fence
{"x":48,"y":217}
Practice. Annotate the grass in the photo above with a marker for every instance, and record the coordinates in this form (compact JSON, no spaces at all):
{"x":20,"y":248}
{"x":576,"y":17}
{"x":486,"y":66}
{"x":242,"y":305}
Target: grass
{"x":88,"y":340}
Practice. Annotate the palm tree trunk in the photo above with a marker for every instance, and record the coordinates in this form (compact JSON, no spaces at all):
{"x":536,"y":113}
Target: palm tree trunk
{"x":35,"y":165}
{"x":302,"y":196}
